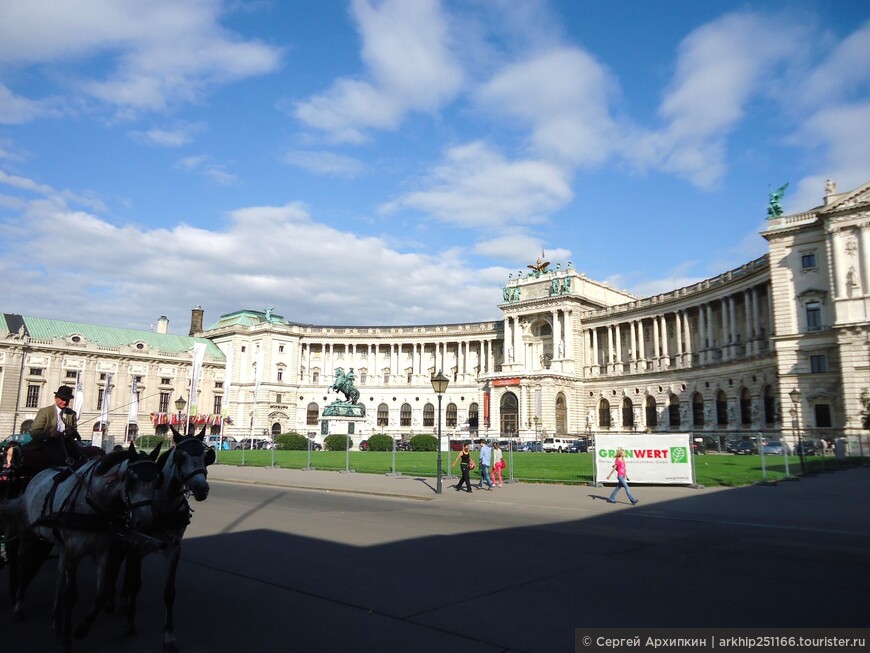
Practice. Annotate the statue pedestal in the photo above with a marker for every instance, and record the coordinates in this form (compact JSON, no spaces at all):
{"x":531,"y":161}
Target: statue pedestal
{"x":343,"y":425}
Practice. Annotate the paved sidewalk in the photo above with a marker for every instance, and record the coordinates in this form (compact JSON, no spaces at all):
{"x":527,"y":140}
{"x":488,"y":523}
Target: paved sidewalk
{"x":834,"y":500}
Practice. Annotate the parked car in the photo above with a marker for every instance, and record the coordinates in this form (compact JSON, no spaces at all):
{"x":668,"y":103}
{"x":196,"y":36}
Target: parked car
{"x":227,"y":444}
{"x":731,"y":445}
{"x":745,"y":447}
{"x":776,"y":448}
{"x":556,"y":444}
{"x":254,"y":443}
{"x":404,"y":445}
{"x":534,"y":446}
{"x":808,"y":449}
{"x":578,"y":446}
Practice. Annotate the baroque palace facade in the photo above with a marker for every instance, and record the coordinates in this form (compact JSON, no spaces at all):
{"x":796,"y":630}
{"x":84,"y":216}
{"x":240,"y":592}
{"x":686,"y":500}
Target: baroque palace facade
{"x":779,"y":344}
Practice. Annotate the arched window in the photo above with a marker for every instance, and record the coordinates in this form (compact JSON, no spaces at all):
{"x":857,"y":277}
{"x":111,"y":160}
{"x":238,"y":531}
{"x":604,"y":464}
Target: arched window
{"x":721,"y":409}
{"x":472,"y":417}
{"x":561,"y":413}
{"x":509,"y":413}
{"x":405,"y":415}
{"x":745,"y":406}
{"x":312,"y":414}
{"x":604,"y":413}
{"x":652,"y":413}
{"x":697,"y":409}
{"x":428,"y":414}
{"x":383,"y":415}
{"x":450,"y":416}
{"x":276,"y":429}
{"x":674,"y":411}
{"x":769,"y":406}
{"x":627,"y":413}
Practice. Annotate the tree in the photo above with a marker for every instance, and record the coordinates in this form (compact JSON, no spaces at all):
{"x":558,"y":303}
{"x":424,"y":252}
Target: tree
{"x":865,"y":414}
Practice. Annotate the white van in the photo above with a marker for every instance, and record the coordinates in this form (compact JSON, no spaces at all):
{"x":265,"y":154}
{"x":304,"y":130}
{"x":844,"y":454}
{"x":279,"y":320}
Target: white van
{"x":557,"y":444}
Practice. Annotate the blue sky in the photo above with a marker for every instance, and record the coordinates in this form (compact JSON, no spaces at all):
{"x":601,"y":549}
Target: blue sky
{"x":378,"y":162}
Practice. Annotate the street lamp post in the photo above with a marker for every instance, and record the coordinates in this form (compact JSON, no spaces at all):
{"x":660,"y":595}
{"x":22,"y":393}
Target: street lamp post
{"x":439,"y":385}
{"x":180,"y":403}
{"x":795,"y":395}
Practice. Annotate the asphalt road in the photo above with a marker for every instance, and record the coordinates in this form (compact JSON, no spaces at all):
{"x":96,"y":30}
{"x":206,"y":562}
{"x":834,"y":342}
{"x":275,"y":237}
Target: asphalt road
{"x":272,"y":568}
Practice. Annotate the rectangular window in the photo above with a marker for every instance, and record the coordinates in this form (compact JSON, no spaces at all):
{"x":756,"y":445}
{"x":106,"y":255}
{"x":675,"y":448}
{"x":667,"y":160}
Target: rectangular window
{"x":278,"y":398}
{"x":35,"y":371}
{"x":280,"y":349}
{"x":315,"y":377}
{"x":164,"y":380}
{"x":823,"y":416}
{"x":362,"y":378}
{"x":280,"y":374}
{"x":164,"y":403}
{"x":808,"y":261}
{"x":819,"y":364}
{"x":218,"y":384}
{"x":32,"y":396}
{"x":218,"y":404}
{"x":71,"y":374}
{"x":814,"y":316}
{"x":386,"y":379}
{"x":102,"y":376}
{"x":100,"y":393}
{"x":244,"y":349}
{"x":137,"y":379}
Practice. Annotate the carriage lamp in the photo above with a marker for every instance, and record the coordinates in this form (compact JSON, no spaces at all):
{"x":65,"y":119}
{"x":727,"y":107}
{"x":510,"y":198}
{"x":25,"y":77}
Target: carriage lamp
{"x":439,"y":385}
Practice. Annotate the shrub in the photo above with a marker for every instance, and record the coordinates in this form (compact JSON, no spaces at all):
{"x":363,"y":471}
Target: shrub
{"x":424,"y":442}
{"x":291,"y":441}
{"x":336,"y":442}
{"x":381,"y":442}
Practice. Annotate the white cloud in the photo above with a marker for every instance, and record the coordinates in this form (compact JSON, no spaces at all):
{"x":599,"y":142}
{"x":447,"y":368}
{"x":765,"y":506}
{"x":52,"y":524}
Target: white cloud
{"x":476,"y":187}
{"x":409,"y":67}
{"x":563,"y":95}
{"x":160,"y":52}
{"x":721,"y":66}
{"x":202,"y":164}
{"x":176,"y":137}
{"x":325,"y":163}
{"x":266,"y":256}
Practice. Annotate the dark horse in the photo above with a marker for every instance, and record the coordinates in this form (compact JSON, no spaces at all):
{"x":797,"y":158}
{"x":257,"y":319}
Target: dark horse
{"x":85,"y":513}
{"x":184,"y":472}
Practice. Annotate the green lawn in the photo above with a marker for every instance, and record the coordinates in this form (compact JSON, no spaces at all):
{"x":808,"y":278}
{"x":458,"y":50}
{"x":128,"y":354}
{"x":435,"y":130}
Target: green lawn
{"x":710,"y":469}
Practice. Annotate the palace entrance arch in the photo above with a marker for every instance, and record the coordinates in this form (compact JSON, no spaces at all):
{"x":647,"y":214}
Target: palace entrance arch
{"x":509,"y":413}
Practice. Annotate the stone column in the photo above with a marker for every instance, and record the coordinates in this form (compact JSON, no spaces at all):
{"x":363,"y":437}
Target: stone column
{"x":641,"y":345}
{"x":726,"y":337}
{"x":711,"y":342}
{"x":617,"y":336}
{"x":678,"y":336}
{"x":688,"y":338}
{"x":666,"y":354}
{"x":596,"y":363}
{"x":732,"y":309}
{"x":702,"y":334}
{"x":657,"y":362}
{"x":610,"y":352}
{"x":756,"y":322}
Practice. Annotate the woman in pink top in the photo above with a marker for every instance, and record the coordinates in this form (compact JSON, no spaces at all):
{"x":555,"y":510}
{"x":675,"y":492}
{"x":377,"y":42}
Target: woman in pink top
{"x":621,"y":477}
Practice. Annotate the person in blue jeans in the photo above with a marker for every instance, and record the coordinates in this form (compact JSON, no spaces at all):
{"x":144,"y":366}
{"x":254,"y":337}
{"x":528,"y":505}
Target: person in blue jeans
{"x":485,"y":462}
{"x":621,"y":477}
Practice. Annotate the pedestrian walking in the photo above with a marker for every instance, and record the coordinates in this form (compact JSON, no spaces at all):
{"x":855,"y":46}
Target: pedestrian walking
{"x":621,"y":477}
{"x":497,"y":465}
{"x":485,"y":462}
{"x":464,"y":460}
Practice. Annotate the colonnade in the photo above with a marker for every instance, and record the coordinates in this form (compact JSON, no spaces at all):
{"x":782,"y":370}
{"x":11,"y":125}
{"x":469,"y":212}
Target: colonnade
{"x":460,"y":360}
{"x":520,"y":352}
{"x":719,"y":330}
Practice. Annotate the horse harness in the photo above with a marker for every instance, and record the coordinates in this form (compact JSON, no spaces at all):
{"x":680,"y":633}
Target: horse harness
{"x":101,"y":519}
{"x":181,"y":517}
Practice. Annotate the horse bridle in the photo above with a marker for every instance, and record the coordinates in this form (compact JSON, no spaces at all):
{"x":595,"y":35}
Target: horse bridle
{"x":129,"y":506}
{"x":207,"y":460}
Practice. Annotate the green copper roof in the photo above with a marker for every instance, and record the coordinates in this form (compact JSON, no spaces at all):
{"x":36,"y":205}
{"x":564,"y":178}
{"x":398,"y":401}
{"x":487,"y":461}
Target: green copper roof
{"x":45,"y":329}
{"x":246,"y":318}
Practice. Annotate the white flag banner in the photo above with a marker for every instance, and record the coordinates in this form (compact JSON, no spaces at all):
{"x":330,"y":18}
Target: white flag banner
{"x":258,"y":373}
{"x":196,"y":369}
{"x":79,"y":396}
{"x":107,"y":395}
{"x":134,"y":402}
{"x":663,"y":458}
{"x":228,"y":382}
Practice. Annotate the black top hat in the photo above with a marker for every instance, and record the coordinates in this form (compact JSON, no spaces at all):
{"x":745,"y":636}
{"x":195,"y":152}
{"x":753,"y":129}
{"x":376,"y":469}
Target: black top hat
{"x":64,"y":392}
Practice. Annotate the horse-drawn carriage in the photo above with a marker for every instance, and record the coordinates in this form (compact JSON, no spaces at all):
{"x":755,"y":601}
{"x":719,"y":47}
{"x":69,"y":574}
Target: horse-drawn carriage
{"x":112,"y":507}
